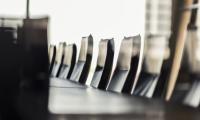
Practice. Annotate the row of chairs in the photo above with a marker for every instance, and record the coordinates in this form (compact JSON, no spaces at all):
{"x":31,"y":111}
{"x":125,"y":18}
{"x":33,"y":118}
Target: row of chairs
{"x":125,"y":75}
{"x":133,"y":74}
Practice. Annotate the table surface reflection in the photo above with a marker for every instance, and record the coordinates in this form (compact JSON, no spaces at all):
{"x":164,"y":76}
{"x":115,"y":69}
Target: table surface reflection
{"x":75,"y":102}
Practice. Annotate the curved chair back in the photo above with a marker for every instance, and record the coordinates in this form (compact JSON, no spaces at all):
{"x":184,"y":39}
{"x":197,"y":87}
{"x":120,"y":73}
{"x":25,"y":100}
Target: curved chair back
{"x":52,"y":57}
{"x":104,"y":64}
{"x":82,"y":67}
{"x":156,"y":52}
{"x":59,"y":60}
{"x":68,"y":62}
{"x":127,"y":65}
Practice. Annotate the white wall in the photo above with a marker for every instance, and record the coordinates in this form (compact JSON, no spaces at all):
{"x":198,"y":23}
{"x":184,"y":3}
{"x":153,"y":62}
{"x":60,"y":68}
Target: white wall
{"x":12,"y":8}
{"x":72,"y":19}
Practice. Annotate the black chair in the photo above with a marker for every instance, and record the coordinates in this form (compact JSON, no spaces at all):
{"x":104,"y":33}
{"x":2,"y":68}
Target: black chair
{"x":156,"y":53}
{"x":34,"y":82}
{"x":104,"y":64}
{"x":59,"y":60}
{"x":68,"y":62}
{"x":82,"y":67}
{"x":52,"y":57}
{"x":127,"y":65}
{"x":11,"y":64}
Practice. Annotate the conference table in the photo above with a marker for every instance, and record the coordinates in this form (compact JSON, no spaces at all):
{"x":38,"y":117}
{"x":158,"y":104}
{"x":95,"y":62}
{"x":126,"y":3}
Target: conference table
{"x":70,"y":100}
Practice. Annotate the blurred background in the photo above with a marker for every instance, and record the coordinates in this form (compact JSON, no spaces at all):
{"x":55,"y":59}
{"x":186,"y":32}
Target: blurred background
{"x":72,"y":19}
{"x":156,"y":21}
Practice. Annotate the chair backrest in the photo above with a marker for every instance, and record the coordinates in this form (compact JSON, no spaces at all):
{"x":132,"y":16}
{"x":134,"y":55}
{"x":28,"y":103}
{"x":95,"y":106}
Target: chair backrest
{"x":68,"y":62}
{"x":59,"y":60}
{"x":82,"y":67}
{"x":34,"y":77}
{"x":127,"y":65}
{"x":104,"y":64}
{"x":52,"y":57}
{"x":156,"y":51}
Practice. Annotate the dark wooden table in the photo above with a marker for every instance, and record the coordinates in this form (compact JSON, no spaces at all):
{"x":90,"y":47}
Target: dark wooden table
{"x":71,"y":101}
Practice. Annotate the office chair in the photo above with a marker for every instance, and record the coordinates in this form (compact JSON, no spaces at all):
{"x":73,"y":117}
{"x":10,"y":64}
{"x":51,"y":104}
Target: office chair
{"x":156,"y":52}
{"x":59,"y":60}
{"x":52,"y":57}
{"x":104,"y":64}
{"x":82,"y":67}
{"x":127,"y":65}
{"x":34,"y":83}
{"x":68,"y":62}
